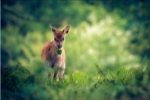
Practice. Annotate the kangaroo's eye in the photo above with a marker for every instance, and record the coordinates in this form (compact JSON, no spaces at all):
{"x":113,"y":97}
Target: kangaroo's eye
{"x":62,"y":39}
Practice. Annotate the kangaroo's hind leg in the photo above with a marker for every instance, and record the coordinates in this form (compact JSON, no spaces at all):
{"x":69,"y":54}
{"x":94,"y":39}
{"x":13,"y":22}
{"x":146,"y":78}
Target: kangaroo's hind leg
{"x":61,"y":71}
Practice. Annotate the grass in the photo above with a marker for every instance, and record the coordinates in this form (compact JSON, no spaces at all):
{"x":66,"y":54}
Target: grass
{"x":119,"y":84}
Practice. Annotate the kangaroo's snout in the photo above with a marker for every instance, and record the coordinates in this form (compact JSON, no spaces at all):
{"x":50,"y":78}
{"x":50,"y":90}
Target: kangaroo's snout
{"x":59,"y":46}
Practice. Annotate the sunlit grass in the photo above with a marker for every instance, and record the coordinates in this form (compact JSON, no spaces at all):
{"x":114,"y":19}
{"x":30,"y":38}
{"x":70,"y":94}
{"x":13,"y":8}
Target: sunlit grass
{"x":99,"y":65}
{"x":35,"y":84}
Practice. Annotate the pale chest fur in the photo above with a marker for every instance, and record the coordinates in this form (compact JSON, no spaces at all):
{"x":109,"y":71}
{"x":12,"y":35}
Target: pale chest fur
{"x":50,"y":56}
{"x":56,"y":60}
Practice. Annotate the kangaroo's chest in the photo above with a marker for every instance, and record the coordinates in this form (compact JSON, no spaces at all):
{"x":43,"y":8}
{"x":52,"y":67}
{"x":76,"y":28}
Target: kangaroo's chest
{"x":56,"y":60}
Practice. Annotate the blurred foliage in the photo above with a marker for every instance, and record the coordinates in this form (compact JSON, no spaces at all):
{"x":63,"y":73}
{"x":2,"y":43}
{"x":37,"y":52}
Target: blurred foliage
{"x":138,"y":21}
{"x":122,"y":84}
{"x":107,"y":48}
{"x":138,"y":15}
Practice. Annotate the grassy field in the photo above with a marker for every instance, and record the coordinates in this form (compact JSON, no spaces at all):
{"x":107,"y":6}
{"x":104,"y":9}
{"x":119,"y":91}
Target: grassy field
{"x":107,"y":49}
{"x":20,"y":83}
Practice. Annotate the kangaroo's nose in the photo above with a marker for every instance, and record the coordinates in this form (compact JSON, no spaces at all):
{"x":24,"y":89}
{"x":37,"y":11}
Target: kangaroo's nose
{"x":59,"y":46}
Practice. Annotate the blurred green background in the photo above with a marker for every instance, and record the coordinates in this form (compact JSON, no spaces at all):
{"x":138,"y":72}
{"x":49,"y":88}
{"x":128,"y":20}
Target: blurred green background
{"x":104,"y":33}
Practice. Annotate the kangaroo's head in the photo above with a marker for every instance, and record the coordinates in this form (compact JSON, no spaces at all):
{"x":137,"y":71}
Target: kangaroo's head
{"x":59,"y":36}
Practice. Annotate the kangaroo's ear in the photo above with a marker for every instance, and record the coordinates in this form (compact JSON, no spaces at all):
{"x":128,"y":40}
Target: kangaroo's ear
{"x":66,"y":30}
{"x":53,"y":29}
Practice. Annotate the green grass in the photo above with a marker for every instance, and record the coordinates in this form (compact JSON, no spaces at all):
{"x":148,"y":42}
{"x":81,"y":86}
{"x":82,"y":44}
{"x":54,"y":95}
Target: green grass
{"x":119,"y":84}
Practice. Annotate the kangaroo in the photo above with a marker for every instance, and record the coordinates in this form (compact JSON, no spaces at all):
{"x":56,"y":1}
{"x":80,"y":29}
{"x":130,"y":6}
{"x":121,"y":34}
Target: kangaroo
{"x":53,"y":52}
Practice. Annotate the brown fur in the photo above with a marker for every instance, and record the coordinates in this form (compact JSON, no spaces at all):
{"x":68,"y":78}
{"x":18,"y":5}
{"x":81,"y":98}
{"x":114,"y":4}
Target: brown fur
{"x":49,"y":54}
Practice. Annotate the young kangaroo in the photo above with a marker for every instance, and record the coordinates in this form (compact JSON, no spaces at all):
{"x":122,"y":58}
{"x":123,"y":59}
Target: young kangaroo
{"x":50,"y":52}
